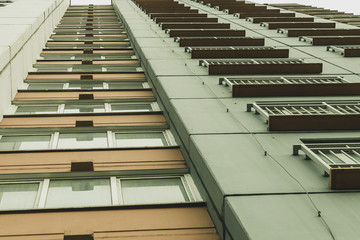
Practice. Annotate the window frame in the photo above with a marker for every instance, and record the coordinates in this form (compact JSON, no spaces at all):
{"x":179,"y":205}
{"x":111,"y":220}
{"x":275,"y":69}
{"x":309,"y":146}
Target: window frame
{"x":107,"y":106}
{"x":110,"y":138}
{"x":191,"y":191}
{"x":66,"y":86}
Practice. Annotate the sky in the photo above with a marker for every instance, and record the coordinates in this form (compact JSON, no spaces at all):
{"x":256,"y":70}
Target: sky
{"x":350,"y":6}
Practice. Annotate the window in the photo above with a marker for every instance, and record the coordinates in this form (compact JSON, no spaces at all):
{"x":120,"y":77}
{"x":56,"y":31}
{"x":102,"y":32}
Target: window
{"x":85,"y":140}
{"x":45,"y":86}
{"x":140,"y":139}
{"x":24,"y":142}
{"x":125,"y":85}
{"x":79,"y":193}
{"x":83,"y":192}
{"x":156,"y":190}
{"x":82,"y":140}
{"x":131,"y":107}
{"x":86,"y":86}
{"x":86,"y":108}
{"x":18,"y":195}
{"x":45,"y":109}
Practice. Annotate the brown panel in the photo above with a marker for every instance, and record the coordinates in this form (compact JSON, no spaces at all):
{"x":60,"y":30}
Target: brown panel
{"x":185,"y":19}
{"x":303,"y":68}
{"x":301,"y":25}
{"x":26,"y":96}
{"x":352,"y":52}
{"x":59,"y":236}
{"x":188,"y":234}
{"x":194,"y":42}
{"x":282,"y":19}
{"x":172,"y":10}
{"x":265,"y":14}
{"x":207,"y":33}
{"x":314,"y":122}
{"x":322,"y":32}
{"x":296,"y":90}
{"x":344,"y":178}
{"x":70,"y":121}
{"x":60,"y":161}
{"x":77,"y":222}
{"x":223,"y":53}
{"x":195,"y":26}
{"x":341,"y":40}
{"x":156,"y":15}
{"x":253,"y":10}
{"x":237,"y":5}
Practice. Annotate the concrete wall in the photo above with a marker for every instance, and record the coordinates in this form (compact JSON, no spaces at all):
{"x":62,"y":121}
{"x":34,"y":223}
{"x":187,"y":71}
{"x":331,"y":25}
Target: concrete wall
{"x":25,"y":26}
{"x":249,"y":194}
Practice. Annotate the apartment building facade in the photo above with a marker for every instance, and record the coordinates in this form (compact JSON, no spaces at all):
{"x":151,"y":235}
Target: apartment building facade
{"x":179,"y":120}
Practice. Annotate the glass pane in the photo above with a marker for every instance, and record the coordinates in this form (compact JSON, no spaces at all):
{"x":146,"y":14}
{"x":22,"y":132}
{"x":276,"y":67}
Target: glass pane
{"x":78,"y":193}
{"x":140,"y":139}
{"x":82,"y":140}
{"x":36,"y":109}
{"x":42,"y":86}
{"x":9,"y":143}
{"x":84,"y":108}
{"x":131,"y":107}
{"x":125,"y":85}
{"x":86,"y":86}
{"x":144,"y":191}
{"x":18,"y":195}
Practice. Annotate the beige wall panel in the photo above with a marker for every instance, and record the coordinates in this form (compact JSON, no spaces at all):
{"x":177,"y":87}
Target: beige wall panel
{"x":115,"y":160}
{"x":78,"y":222}
{"x":23,"y":96}
{"x":188,"y":234}
{"x":35,"y":237}
{"x":69,"y":121}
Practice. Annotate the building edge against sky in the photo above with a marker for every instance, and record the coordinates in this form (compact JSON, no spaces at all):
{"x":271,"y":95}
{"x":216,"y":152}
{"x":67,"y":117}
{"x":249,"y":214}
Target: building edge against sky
{"x":255,"y":188}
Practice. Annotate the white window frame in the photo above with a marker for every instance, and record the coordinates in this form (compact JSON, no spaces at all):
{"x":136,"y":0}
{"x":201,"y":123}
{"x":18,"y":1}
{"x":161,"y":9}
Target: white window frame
{"x":192,"y":193}
{"x":61,"y":107}
{"x":111,"y":141}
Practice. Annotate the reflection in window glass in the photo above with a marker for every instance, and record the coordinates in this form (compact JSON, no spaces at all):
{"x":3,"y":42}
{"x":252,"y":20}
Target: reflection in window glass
{"x":140,"y":139}
{"x":86,"y":86}
{"x":79,"y":193}
{"x":9,"y":143}
{"x":36,"y":109}
{"x":131,"y":107}
{"x":82,"y":140}
{"x":43,"y":86}
{"x":125,"y":85}
{"x":146,"y":191}
{"x":18,"y":196}
{"x":84,"y":108}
